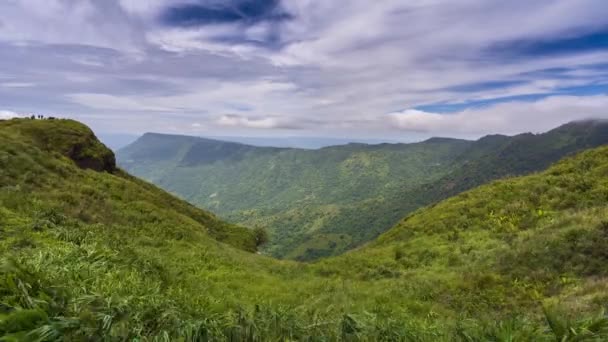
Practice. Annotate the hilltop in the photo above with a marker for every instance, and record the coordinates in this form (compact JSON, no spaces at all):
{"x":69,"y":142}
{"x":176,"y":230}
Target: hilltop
{"x":90,"y":254}
{"x":35,"y":159}
{"x":66,"y":137}
{"x":318,"y":203}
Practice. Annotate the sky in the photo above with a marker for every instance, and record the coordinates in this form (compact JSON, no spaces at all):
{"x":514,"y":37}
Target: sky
{"x":385,"y":69}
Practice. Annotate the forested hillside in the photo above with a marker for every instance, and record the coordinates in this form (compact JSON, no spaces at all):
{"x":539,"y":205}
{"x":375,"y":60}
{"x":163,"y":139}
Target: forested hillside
{"x":317,"y":203}
{"x":94,"y":254}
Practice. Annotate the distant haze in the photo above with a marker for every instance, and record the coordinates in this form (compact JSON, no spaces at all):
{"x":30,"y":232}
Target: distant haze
{"x":300,"y":142}
{"x":117,"y":141}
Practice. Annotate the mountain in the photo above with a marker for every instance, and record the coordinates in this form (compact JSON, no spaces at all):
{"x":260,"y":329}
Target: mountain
{"x":494,"y":157}
{"x":317,"y":203}
{"x":88,"y":252}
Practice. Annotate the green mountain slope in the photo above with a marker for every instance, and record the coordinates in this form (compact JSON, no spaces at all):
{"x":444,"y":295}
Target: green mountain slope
{"x":508,"y":245}
{"x":323,"y":202}
{"x":494,"y":157}
{"x":91,"y":254}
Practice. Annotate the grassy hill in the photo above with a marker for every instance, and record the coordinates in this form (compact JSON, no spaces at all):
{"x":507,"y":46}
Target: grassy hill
{"x":35,"y":163}
{"x":323,"y":202}
{"x":523,"y":244}
{"x":96,"y":255}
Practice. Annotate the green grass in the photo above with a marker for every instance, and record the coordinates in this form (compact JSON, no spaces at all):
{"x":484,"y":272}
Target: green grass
{"x":89,"y":255}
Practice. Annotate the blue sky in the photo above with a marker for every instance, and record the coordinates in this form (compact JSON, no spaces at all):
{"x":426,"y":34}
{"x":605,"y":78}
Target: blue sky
{"x":390,"y":69}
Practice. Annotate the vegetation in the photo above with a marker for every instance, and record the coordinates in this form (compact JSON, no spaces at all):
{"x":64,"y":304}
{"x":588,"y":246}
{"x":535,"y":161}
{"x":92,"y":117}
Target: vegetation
{"x":260,"y":235}
{"x":98,"y":255}
{"x":36,"y":160}
{"x":317,"y":203}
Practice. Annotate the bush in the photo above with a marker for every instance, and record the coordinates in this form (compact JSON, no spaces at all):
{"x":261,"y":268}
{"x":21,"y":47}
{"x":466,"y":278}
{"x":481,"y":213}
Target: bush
{"x":261,"y":236}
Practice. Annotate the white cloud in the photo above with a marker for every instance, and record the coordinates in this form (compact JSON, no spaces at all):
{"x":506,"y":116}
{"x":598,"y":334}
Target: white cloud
{"x":89,"y":22}
{"x":111,"y":102}
{"x":214,"y":96}
{"x":16,"y":84}
{"x":338,"y":64}
{"x":184,"y":40}
{"x":358,"y":34}
{"x":240,"y":121}
{"x":147,"y":7}
{"x":505,"y":118}
{"x":7,"y":114}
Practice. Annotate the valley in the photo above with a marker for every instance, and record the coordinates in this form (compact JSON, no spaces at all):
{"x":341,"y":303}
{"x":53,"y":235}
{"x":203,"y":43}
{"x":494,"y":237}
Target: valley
{"x":319,"y":203}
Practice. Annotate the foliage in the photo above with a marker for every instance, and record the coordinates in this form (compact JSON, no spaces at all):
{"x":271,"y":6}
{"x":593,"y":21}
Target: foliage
{"x":260,"y":235}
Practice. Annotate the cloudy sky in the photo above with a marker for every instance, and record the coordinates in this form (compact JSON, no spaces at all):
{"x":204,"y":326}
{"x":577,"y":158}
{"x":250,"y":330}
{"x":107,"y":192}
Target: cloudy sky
{"x":342,"y":68}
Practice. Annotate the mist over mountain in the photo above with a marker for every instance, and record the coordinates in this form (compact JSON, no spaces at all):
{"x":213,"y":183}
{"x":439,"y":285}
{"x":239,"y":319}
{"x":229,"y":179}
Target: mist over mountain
{"x":298,"y":142}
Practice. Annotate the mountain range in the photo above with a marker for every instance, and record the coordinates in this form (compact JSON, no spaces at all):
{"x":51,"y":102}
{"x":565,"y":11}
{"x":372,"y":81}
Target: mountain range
{"x":318,"y":203}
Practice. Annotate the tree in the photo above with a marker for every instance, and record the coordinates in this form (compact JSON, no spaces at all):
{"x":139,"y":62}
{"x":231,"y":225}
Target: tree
{"x":260,"y":235}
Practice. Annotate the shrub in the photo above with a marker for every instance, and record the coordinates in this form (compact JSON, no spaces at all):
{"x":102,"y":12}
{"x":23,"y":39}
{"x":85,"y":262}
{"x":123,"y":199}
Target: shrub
{"x":261,"y":236}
